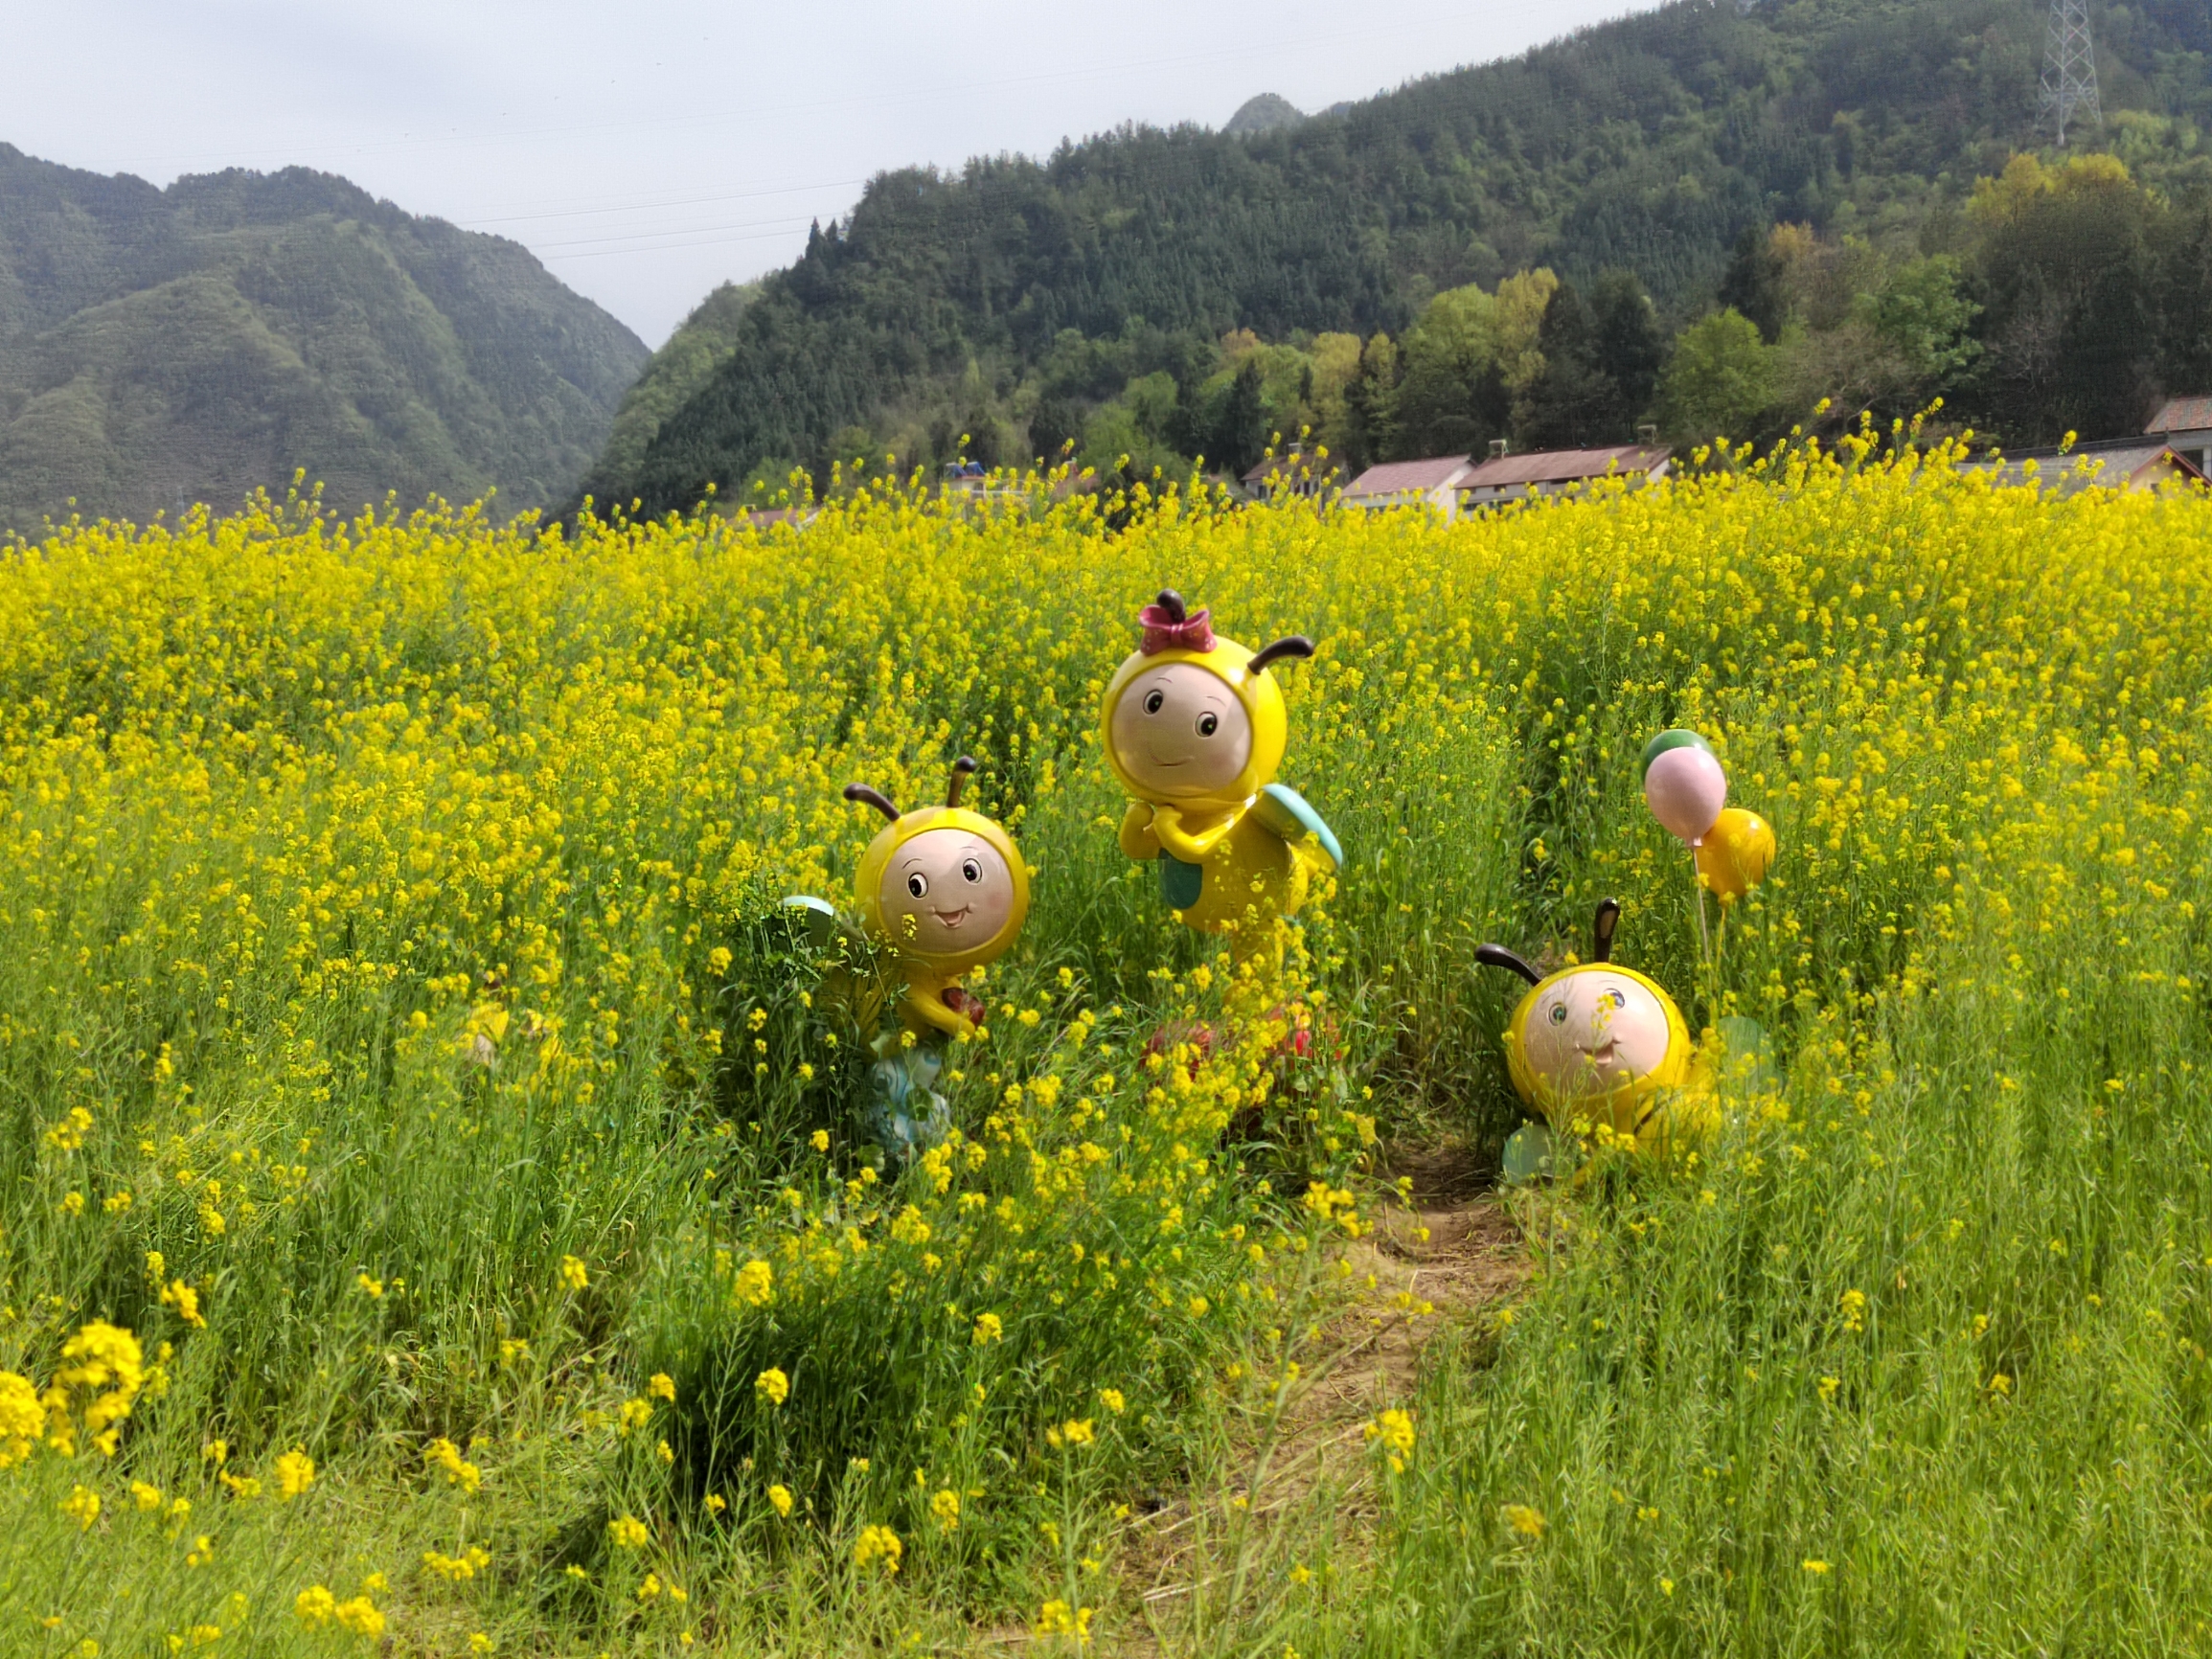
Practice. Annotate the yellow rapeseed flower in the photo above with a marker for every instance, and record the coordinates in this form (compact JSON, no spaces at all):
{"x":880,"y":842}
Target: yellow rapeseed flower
{"x":1524,"y":1519}
{"x":360,"y":1616}
{"x":878,"y":1546}
{"x":780,"y":1497}
{"x":755,"y":1283}
{"x":772,"y":1386}
{"x":22,"y":1419}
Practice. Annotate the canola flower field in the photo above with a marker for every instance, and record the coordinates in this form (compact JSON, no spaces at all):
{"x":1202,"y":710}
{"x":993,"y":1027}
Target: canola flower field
{"x":433,"y":1219}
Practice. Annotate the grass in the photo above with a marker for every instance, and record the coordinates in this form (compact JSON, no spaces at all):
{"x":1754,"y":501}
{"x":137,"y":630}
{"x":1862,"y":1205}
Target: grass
{"x":396,"y":903}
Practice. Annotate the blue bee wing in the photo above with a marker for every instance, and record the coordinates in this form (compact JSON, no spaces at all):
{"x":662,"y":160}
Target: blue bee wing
{"x":1286,"y":813}
{"x":818,"y":914}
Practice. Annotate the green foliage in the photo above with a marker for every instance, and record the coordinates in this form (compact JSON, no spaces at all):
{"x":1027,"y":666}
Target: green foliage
{"x":680,"y":369}
{"x":159,"y":347}
{"x":1450,"y":397}
{"x":1653,"y":144}
{"x":1721,"y":378}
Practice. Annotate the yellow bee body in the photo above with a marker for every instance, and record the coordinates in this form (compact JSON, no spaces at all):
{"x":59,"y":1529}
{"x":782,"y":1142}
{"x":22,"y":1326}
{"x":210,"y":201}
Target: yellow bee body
{"x":948,"y":890}
{"x":1194,"y":728}
{"x":1668,"y":1101}
{"x":1599,"y":1050}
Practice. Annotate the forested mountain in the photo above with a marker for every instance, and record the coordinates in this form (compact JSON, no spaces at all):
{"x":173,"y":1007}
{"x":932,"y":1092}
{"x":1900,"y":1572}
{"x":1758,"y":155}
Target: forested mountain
{"x":162,"y":346}
{"x":1024,"y":302}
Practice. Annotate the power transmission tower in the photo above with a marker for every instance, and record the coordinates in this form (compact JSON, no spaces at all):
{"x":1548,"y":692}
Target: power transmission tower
{"x":2070,"y":69}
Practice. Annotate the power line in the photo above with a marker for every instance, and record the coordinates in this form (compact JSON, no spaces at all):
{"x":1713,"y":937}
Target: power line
{"x":647,"y":204}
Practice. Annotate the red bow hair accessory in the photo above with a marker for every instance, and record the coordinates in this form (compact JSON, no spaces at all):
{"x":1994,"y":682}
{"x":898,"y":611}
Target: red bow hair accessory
{"x":1168,"y":628}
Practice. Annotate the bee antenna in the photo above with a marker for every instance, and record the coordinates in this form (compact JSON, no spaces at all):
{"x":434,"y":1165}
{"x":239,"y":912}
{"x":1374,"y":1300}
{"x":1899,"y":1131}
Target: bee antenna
{"x":1275,"y":650}
{"x":1497,"y":956}
{"x":1172,"y":603}
{"x":960,"y":771}
{"x":1601,"y":930}
{"x":874,"y":798}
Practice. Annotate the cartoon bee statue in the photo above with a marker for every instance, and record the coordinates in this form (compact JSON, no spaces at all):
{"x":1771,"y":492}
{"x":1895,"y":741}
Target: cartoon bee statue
{"x":945,"y":890}
{"x":1193,"y":727}
{"x":1597,"y":1043}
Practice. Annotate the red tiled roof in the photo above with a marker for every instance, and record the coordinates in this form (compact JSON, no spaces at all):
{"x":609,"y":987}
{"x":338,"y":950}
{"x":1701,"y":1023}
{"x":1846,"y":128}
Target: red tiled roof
{"x":2182,"y":415}
{"x":1394,"y":476}
{"x":1563,"y":465}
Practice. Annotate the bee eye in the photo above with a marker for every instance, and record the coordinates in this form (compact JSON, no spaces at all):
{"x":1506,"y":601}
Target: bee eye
{"x":1616,"y":999}
{"x":1559,"y":1013}
{"x":917,"y":884}
{"x":1209,"y":723}
{"x":972,"y":870}
{"x":1154,"y":699}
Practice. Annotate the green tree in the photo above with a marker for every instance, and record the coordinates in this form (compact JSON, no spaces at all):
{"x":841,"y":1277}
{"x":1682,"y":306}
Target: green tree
{"x":1923,"y":314}
{"x":1573,"y":402}
{"x":1372,"y":403}
{"x":1718,"y":381}
{"x":1629,"y":349}
{"x":1451,"y":395}
{"x":1755,"y":284}
{"x":2065,"y":262}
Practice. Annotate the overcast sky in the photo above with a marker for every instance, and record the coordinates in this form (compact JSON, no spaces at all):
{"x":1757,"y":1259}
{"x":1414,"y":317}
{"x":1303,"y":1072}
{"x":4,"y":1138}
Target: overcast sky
{"x":649,"y":150}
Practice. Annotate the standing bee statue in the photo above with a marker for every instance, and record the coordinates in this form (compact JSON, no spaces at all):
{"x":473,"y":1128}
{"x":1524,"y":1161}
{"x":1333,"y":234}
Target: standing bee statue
{"x":945,"y":891}
{"x":1194,"y":728}
{"x":1599,"y":1045}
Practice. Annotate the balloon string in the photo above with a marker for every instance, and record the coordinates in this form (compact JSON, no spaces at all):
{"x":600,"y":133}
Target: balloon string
{"x":1698,"y":886}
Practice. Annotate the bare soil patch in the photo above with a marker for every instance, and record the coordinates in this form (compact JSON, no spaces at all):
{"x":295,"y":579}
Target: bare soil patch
{"x":1448,"y":1255}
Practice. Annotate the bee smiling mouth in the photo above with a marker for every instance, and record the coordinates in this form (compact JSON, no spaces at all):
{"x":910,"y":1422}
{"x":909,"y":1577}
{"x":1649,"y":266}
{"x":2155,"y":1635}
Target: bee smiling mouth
{"x":952,"y":917}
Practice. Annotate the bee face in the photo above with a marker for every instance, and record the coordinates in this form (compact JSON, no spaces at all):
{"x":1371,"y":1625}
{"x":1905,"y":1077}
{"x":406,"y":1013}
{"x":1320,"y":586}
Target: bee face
{"x":1180,"y":731}
{"x":1594,"y":1029}
{"x":946,"y":892}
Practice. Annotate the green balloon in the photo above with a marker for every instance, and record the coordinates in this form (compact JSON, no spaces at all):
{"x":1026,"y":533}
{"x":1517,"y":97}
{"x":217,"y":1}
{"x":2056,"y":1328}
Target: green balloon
{"x":1675,"y":738}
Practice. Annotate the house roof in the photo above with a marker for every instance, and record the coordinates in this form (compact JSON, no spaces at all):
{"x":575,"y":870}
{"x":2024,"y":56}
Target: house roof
{"x":1297,"y":465}
{"x":2182,"y":415}
{"x":1393,"y":477}
{"x":1542,"y":467}
{"x":2109,"y":464}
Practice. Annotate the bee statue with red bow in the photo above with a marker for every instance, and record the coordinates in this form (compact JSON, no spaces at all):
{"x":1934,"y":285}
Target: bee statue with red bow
{"x":1194,"y":728}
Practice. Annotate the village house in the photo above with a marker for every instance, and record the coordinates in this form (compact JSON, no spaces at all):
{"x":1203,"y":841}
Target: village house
{"x":2125,"y":463}
{"x":1454,"y":483}
{"x":1504,"y":477}
{"x":1432,"y":483}
{"x":2185,"y":424}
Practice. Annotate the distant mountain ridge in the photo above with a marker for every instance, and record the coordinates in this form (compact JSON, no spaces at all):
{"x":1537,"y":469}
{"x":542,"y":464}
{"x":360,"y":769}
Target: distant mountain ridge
{"x":1266,"y":113}
{"x":163,"y":346}
{"x":982,"y":302}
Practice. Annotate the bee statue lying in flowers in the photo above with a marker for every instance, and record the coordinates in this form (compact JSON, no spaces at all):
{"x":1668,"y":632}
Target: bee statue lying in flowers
{"x":945,"y":890}
{"x":1194,"y":728}
{"x":1600,"y":1051}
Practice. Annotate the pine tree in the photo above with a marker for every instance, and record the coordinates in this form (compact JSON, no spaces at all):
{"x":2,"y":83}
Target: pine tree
{"x":1573,"y":402}
{"x":1629,"y":349}
{"x":1754,"y":286}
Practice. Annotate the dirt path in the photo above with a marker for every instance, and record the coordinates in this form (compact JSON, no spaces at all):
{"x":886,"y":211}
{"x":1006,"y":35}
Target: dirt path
{"x":1445,"y":1257}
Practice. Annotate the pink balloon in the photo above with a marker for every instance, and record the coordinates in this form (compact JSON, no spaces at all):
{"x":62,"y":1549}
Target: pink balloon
{"x":1685,"y":790}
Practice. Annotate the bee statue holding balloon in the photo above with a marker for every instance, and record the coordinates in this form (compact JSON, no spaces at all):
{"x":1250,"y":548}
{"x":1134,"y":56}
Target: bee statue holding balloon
{"x":1602,"y":1053}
